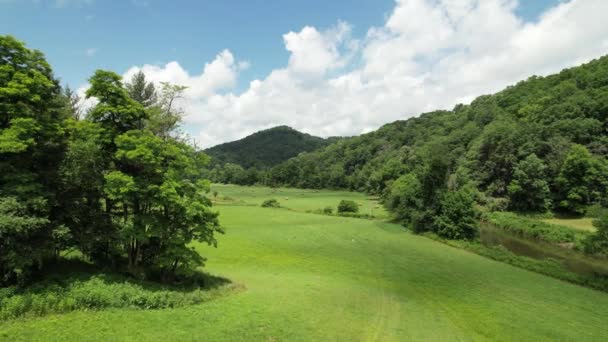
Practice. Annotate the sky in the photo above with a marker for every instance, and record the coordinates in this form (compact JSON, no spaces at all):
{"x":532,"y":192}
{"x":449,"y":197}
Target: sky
{"x":328,"y":68}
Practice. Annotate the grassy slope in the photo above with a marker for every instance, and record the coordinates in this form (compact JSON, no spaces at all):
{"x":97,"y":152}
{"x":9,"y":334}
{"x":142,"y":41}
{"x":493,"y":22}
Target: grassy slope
{"x":585,"y":223}
{"x":314,"y":277}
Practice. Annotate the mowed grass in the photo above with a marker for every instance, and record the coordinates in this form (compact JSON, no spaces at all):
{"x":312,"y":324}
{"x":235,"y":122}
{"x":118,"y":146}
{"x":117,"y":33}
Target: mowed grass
{"x":301,"y":200}
{"x":585,"y":223}
{"x":324,"y":278}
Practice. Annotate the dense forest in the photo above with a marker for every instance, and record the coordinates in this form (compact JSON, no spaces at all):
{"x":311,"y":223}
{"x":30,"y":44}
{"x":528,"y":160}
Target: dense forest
{"x":539,"y":145}
{"x":116,"y":183}
{"x":244,"y":161}
{"x":266,"y":148}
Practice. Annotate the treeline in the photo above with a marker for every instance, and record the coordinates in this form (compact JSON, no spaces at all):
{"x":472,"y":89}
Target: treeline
{"x":117,"y":183}
{"x":539,"y":145}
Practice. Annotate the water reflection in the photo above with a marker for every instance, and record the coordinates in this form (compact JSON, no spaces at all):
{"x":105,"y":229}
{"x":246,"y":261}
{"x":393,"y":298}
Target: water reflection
{"x":571,"y":259}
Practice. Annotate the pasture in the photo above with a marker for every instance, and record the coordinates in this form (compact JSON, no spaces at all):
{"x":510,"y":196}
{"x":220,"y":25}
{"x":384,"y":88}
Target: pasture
{"x":311,"y":277}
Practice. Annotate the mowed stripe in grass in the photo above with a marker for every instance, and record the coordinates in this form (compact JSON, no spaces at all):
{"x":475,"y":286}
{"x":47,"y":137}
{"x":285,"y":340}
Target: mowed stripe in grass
{"x":315,"y":277}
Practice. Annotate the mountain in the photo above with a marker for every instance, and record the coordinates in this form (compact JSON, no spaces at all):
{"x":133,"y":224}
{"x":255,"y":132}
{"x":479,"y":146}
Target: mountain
{"x":266,"y":148}
{"x":542,"y":143}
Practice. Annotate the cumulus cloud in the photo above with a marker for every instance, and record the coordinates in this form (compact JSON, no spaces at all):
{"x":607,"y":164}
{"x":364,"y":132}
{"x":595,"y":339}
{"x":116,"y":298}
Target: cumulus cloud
{"x":428,"y":54}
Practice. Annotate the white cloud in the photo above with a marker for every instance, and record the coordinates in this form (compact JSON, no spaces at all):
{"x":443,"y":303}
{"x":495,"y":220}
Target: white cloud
{"x":429,"y":54}
{"x":91,"y":52}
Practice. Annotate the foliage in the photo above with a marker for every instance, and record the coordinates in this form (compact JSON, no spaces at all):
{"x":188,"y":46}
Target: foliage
{"x":539,"y":144}
{"x":118,"y":186}
{"x":529,"y":189}
{"x":457,"y":217}
{"x":598,"y":242}
{"x":266,"y":148}
{"x":583,"y":180}
{"x":328,"y":210}
{"x":271,"y":203}
{"x":348,"y":206}
{"x":31,"y":149}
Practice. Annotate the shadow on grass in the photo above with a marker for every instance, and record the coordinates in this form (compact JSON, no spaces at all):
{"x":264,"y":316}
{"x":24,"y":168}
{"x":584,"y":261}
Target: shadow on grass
{"x":71,"y":285}
{"x":66,"y":271}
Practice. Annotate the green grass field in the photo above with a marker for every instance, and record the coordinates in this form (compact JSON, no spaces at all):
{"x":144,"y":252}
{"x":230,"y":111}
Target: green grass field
{"x":297,"y":199}
{"x":585,"y":223}
{"x":323,"y":278}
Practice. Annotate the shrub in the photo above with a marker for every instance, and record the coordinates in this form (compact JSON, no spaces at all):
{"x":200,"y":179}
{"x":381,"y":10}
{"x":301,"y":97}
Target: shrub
{"x":357,"y":215}
{"x":271,"y":203}
{"x":598,"y":242}
{"x":497,"y":204}
{"x":328,"y":210}
{"x":595,"y":211}
{"x":347,"y":206}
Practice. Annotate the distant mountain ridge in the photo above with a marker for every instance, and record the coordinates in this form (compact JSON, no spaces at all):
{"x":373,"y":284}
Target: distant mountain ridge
{"x":266,"y":148}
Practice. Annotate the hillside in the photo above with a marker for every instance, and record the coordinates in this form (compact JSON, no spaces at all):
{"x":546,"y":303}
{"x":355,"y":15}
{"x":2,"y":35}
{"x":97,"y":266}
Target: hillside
{"x":540,"y":144}
{"x":265,"y":148}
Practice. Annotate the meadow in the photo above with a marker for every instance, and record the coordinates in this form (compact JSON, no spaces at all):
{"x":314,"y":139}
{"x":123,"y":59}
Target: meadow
{"x":328,"y":278}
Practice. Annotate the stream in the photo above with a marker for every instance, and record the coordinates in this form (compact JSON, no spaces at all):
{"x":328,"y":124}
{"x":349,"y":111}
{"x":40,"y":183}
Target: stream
{"x":574,"y":261}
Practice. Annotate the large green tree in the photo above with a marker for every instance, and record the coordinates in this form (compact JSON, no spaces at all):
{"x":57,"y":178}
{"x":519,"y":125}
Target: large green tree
{"x":529,"y":189}
{"x":31,"y":148}
{"x":583,"y":180}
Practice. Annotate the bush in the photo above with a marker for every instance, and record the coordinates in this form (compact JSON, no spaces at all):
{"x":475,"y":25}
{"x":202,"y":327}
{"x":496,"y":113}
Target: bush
{"x":497,"y":204}
{"x":357,"y":215}
{"x":271,"y":203}
{"x":328,"y":210}
{"x":596,"y":211}
{"x":346,"y":206}
{"x":598,"y":242}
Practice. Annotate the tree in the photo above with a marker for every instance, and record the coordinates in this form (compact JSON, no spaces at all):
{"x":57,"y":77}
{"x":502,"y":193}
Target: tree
{"x":457,"y":217}
{"x":81,"y":181}
{"x":529,"y":189}
{"x":165,"y":116}
{"x":141,"y":90}
{"x":73,"y":106}
{"x":160,"y":203}
{"x":583,"y":180}
{"x":404,"y":197}
{"x":115,"y":111}
{"x":31,"y":148}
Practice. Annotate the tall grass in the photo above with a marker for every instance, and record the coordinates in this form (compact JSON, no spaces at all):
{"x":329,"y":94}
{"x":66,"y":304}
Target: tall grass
{"x":536,"y":229}
{"x":61,"y":293}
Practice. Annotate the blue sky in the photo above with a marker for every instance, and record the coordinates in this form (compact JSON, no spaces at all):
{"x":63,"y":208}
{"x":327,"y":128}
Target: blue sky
{"x":80,"y":36}
{"x":323,"y":67}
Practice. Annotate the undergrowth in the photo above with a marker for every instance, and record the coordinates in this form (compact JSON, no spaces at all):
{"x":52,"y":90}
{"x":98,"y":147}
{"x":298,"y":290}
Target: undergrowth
{"x":61,"y":292}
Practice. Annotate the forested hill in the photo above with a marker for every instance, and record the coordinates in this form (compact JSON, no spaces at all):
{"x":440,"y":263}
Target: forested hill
{"x":265,"y":148}
{"x":539,"y":144}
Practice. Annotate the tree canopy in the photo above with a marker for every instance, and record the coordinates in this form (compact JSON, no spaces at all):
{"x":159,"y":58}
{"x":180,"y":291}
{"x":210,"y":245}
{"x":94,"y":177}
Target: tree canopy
{"x":118,"y":184}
